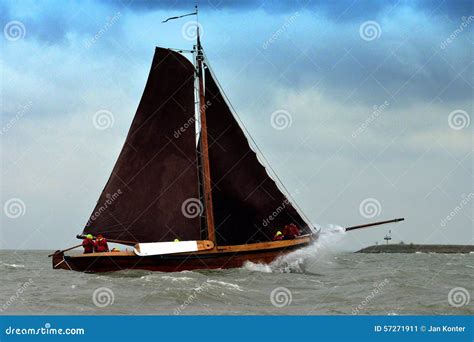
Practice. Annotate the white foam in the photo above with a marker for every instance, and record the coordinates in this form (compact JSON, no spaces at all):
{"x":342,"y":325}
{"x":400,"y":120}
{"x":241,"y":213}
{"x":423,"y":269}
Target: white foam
{"x":257,"y":267}
{"x":13,"y":265}
{"x":294,"y":262}
{"x":176,"y":278}
{"x":225,"y":284}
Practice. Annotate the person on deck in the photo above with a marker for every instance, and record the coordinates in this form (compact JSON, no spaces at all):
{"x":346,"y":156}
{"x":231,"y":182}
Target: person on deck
{"x":278,"y":236}
{"x":291,"y":231}
{"x":88,"y":244}
{"x":101,"y":244}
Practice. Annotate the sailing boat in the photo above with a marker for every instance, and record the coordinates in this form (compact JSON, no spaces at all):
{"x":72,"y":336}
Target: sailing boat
{"x":173,"y":181}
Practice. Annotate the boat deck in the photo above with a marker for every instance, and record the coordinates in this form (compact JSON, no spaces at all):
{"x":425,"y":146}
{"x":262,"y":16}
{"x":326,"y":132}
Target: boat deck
{"x":268,"y":245}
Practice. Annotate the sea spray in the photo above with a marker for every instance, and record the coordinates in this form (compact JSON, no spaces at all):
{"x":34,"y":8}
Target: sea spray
{"x":295,"y":262}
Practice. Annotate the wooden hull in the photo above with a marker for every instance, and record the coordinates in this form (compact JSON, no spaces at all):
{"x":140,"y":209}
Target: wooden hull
{"x":220,"y":257}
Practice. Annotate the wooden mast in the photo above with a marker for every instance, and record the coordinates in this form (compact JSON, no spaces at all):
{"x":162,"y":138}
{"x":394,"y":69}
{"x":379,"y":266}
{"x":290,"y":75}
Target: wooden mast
{"x":205,"y":145}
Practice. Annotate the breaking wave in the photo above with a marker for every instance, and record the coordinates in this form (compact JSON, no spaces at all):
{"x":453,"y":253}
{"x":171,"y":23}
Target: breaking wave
{"x":294,"y":262}
{"x":227,"y":285}
{"x":5,"y":265}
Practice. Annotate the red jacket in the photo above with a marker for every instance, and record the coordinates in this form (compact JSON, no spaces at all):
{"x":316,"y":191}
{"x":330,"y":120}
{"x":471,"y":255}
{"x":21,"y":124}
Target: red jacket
{"x":88,"y":245}
{"x":101,"y":245}
{"x":291,"y":231}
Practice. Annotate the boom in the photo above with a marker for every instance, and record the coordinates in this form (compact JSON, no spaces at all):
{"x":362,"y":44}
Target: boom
{"x":373,"y":224}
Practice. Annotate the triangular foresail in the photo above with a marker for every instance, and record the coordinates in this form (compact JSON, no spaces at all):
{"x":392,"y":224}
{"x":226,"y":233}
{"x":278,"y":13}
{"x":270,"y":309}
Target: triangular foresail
{"x":248,"y":206}
{"x":156,"y":171}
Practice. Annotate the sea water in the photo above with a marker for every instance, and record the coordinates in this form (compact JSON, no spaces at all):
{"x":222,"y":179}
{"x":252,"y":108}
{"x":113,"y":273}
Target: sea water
{"x":315,"y":280}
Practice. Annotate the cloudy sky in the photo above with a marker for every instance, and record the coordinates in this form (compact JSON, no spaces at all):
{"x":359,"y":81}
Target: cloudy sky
{"x":363,"y":108}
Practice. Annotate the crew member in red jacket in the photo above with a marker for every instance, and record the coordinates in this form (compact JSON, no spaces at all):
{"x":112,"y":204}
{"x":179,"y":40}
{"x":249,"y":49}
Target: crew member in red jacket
{"x":88,"y":244}
{"x":291,"y":231}
{"x":101,"y":244}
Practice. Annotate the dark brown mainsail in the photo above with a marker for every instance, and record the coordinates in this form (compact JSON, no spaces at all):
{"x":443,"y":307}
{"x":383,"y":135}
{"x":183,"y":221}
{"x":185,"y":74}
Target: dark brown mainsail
{"x":248,"y":206}
{"x":156,"y":170}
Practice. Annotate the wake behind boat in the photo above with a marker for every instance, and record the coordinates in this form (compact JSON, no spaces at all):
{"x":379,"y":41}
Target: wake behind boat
{"x":188,"y":174}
